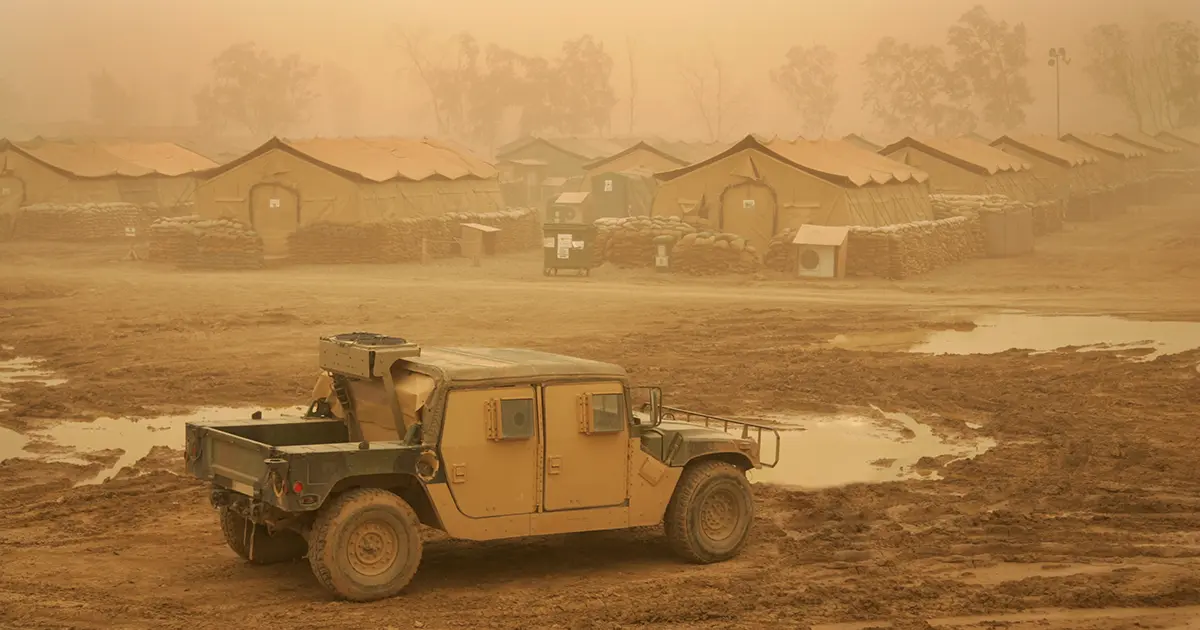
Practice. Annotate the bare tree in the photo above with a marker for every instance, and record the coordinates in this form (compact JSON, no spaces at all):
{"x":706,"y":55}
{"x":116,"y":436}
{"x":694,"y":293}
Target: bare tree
{"x":808,"y":79}
{"x":633,"y":83}
{"x":1156,"y":77}
{"x":708,"y":87}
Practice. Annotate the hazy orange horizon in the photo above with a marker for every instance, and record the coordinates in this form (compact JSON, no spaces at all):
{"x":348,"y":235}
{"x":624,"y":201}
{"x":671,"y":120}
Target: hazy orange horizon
{"x":160,"y":51}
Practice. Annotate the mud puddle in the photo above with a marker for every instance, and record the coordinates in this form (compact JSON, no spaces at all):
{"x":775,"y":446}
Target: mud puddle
{"x":822,"y":451}
{"x":27,"y":370}
{"x":132,"y":438}
{"x":1008,"y":331}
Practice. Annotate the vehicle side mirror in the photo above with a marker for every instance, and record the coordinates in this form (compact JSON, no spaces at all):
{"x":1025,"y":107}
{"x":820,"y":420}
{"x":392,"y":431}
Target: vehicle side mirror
{"x":655,"y":406}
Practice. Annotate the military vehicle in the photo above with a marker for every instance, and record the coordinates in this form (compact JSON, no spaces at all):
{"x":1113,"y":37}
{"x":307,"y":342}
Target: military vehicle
{"x":482,"y":443}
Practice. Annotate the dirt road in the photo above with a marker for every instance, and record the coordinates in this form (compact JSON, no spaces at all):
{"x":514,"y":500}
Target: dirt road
{"x":1085,"y":514}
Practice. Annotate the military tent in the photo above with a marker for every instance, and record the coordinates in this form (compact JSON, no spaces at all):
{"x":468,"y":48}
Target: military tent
{"x":1161,"y":155}
{"x":1067,"y":169}
{"x":757,"y":189}
{"x":966,"y":167}
{"x":528,"y":164}
{"x":654,"y":156}
{"x":67,"y":171}
{"x":862,"y":142}
{"x":1122,"y":163}
{"x":285,"y":184}
{"x":1187,"y":140}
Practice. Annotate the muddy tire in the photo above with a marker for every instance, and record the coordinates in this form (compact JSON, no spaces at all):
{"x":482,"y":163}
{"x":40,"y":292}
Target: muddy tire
{"x":365,"y":545}
{"x":711,"y":513}
{"x":255,"y":544}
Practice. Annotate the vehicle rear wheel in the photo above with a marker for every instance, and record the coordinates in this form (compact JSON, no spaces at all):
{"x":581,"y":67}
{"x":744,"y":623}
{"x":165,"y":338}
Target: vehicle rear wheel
{"x":711,"y":513}
{"x":256,"y":544}
{"x":365,"y":545}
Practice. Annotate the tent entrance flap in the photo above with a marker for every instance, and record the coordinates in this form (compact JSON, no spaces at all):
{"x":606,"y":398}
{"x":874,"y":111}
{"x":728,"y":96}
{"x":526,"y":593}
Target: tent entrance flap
{"x":12,"y":193}
{"x":275,"y":215}
{"x":749,"y":210}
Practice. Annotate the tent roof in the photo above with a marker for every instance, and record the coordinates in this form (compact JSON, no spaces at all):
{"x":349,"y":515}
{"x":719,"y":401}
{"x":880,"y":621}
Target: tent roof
{"x":1189,"y":136}
{"x":681,"y":153}
{"x":835,"y":161}
{"x":1106,"y":144}
{"x":94,"y":159}
{"x":379,"y":159}
{"x":1051,"y":149}
{"x":968,"y":154}
{"x":862,"y":141}
{"x":583,"y":148}
{"x":1146,"y":141}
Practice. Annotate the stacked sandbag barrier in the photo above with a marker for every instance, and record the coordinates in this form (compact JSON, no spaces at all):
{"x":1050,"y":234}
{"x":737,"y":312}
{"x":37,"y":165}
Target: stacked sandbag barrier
{"x":896,"y":251}
{"x":401,"y":240}
{"x":192,"y":242}
{"x":77,"y":221}
{"x":707,"y":254}
{"x":630,"y":241}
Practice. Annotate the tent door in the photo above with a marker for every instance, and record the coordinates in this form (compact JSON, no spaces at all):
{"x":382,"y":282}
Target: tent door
{"x":275,"y":215}
{"x":12,"y":193}
{"x":12,"y":196}
{"x":749,"y":211}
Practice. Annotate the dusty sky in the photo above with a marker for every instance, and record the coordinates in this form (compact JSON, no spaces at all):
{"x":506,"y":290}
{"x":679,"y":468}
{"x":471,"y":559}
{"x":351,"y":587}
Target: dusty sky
{"x":159,"y":49}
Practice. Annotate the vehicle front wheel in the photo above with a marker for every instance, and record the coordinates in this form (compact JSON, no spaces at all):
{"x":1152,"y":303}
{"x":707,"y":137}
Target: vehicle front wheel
{"x":711,"y":513}
{"x":365,"y":545}
{"x":256,"y":544}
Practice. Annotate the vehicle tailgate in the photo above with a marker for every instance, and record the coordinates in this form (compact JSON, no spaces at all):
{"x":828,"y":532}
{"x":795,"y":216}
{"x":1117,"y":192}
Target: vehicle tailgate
{"x":228,"y":460}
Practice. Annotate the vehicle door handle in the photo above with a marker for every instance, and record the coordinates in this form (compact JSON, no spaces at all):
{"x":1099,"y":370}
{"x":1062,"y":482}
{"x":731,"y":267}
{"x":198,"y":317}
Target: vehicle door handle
{"x":555,"y":465}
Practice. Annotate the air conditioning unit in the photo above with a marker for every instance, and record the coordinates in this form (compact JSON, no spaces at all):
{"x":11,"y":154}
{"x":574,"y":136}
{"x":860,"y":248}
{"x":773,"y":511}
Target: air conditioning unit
{"x":817,"y":261}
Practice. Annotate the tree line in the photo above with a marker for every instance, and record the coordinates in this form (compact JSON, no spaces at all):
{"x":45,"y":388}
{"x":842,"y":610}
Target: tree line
{"x":477,"y":89}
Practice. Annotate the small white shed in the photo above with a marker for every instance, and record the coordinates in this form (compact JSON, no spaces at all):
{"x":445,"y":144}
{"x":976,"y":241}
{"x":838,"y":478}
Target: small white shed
{"x":821,"y":250}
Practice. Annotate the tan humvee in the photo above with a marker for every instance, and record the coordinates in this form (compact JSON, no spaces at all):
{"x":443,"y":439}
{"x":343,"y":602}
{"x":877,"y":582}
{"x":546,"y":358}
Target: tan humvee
{"x":480,"y":443}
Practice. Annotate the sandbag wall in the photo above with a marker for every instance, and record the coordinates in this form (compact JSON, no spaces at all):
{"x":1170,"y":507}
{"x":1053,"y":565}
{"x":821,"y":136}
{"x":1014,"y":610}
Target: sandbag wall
{"x":195,"y":243}
{"x":630,"y":241}
{"x":400,"y":240}
{"x":894,"y":252}
{"x":910,"y":249}
{"x":708,"y":253}
{"x":79,"y":221}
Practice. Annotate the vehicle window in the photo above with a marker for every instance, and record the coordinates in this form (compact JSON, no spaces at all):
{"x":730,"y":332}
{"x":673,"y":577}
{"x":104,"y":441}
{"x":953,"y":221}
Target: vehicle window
{"x":608,"y":413}
{"x":516,"y":419}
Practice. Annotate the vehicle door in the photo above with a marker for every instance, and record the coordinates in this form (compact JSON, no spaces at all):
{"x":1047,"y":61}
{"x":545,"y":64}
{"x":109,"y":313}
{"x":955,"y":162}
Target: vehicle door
{"x":587,"y":445}
{"x":489,"y":446}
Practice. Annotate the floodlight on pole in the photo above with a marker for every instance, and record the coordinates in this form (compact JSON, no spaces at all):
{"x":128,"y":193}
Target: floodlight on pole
{"x":1058,"y":58}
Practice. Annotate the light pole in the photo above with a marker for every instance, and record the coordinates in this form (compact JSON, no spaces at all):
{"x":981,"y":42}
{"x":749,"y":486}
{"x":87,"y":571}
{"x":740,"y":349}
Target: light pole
{"x":1058,"y":57}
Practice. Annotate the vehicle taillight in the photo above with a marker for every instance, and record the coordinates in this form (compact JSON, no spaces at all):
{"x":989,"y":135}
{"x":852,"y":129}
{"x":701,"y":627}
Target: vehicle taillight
{"x":297,"y":487}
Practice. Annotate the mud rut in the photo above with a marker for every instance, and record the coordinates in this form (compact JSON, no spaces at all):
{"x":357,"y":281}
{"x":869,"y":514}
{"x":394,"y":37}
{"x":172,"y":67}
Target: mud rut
{"x":1089,"y":506}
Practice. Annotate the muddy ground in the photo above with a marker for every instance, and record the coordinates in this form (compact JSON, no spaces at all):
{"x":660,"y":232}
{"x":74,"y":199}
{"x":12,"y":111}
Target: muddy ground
{"x":1085,"y":515}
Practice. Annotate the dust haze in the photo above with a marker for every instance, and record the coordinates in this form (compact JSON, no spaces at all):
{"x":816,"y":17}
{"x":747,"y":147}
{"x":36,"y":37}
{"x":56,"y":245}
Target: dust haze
{"x":159,"y":54}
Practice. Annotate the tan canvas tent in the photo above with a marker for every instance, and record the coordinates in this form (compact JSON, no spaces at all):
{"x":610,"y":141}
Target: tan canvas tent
{"x":654,"y":156}
{"x":1123,"y":163}
{"x":756,"y":189}
{"x":529,"y":166}
{"x":1187,"y":140}
{"x":1067,"y":169}
{"x":65,"y":171}
{"x":966,"y":167}
{"x":862,"y":142}
{"x":285,"y":184}
{"x":1160,"y":154}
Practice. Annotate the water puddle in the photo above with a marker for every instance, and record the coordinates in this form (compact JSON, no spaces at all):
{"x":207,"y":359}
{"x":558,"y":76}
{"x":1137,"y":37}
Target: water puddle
{"x":133,"y":438}
{"x":1007,"y":331}
{"x":822,"y":451}
{"x":27,"y":370}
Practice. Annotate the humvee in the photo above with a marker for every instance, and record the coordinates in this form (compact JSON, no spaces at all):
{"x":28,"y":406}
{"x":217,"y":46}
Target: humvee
{"x":482,"y":443}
